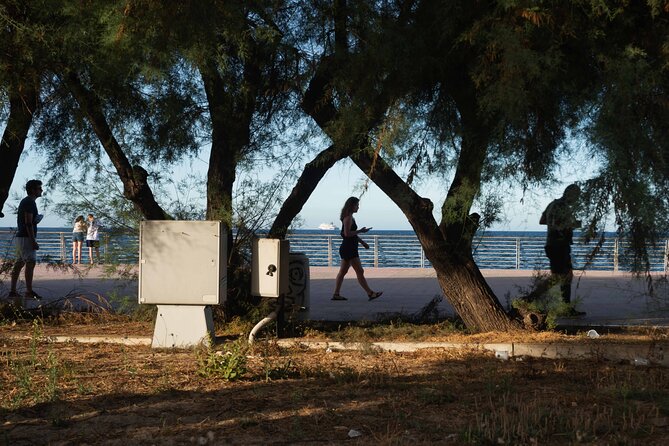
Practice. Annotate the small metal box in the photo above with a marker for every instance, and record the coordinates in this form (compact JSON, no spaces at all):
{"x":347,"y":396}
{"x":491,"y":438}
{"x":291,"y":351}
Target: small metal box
{"x":270,"y":267}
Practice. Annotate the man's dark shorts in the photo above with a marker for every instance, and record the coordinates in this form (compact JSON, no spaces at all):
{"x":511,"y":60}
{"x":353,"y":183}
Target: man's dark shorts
{"x":93,"y":243}
{"x":560,"y":258}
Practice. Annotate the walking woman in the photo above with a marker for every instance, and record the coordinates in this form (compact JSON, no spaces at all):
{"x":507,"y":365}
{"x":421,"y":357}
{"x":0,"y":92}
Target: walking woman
{"x":78,"y":233}
{"x":348,"y":251}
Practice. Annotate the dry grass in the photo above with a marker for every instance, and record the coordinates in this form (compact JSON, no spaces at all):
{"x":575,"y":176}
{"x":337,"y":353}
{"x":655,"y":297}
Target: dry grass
{"x":113,"y":394}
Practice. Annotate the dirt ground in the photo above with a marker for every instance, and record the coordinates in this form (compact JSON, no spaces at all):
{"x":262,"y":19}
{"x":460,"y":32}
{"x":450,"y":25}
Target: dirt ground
{"x":75,"y":393}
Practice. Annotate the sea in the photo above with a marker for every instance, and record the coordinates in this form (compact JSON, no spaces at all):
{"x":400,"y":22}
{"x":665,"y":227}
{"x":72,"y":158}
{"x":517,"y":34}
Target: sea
{"x":388,"y":248}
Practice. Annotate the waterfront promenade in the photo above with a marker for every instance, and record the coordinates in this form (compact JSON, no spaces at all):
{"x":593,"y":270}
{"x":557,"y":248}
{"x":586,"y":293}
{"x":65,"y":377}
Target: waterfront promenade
{"x":608,"y":298}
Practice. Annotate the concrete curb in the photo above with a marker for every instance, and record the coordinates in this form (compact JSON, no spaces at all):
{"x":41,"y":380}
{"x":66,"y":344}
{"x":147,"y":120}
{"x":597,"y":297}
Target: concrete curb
{"x":124,"y":340}
{"x":652,"y":353}
{"x":639,"y":354}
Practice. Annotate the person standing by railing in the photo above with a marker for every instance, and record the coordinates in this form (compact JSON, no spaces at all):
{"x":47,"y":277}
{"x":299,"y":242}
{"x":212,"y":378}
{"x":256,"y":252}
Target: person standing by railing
{"x":27,"y":219}
{"x":78,"y":234}
{"x":93,"y":239}
{"x":348,"y":251}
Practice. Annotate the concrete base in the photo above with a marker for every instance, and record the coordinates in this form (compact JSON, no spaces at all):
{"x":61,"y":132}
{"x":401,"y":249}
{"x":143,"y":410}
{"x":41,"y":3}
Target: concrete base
{"x":182,"y":326}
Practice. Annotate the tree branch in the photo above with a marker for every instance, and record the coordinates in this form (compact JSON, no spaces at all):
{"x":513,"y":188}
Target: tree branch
{"x":312,"y":174}
{"x":134,"y":178}
{"x":22,"y":108}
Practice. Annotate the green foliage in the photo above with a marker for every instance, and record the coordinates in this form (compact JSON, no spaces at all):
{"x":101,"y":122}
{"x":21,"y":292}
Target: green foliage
{"x":36,"y":379}
{"x":229,"y":363}
{"x":282,"y":369}
{"x":548,"y":302}
{"x":100,"y":194}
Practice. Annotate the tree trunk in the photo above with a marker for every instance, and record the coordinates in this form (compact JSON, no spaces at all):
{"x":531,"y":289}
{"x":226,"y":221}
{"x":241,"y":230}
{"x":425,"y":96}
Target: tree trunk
{"x":22,"y":107}
{"x":223,"y":156}
{"x":460,"y":279}
{"x":457,"y":226}
{"x":231,"y":109}
{"x":134,"y":178}
{"x":311,"y":175}
{"x":468,"y":292}
{"x":447,"y":246}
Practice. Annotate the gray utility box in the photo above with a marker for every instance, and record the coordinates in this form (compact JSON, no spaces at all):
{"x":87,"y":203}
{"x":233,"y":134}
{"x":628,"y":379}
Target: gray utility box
{"x":182,"y":262}
{"x":182,"y":269}
{"x":270,"y":267}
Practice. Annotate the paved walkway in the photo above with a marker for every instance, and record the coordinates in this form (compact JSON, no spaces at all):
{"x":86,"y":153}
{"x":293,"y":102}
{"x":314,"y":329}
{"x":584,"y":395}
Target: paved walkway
{"x":607,"y":298}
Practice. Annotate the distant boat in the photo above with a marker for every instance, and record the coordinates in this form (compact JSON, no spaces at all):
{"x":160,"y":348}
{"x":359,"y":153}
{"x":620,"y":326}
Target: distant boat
{"x":327,"y":226}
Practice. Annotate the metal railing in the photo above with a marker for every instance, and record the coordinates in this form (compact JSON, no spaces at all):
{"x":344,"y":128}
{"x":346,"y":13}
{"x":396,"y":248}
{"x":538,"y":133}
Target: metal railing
{"x":386,"y":250}
{"x":57,"y":247}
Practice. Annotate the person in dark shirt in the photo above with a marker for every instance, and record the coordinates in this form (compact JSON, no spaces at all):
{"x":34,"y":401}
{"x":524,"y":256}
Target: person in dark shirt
{"x":27,"y":219}
{"x":560,"y":219}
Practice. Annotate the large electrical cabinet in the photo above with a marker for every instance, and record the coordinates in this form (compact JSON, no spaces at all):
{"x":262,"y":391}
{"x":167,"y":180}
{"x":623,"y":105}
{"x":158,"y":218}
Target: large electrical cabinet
{"x":182,"y":269}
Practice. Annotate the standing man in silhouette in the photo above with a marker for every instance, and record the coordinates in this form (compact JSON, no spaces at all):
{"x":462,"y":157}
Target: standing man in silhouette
{"x":559,"y":216}
{"x":27,"y":218}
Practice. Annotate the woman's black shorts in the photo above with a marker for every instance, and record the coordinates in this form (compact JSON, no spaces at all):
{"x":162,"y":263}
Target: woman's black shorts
{"x":349,"y":249}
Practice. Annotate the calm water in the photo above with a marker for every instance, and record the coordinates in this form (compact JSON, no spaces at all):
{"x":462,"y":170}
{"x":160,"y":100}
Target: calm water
{"x":388,"y":248}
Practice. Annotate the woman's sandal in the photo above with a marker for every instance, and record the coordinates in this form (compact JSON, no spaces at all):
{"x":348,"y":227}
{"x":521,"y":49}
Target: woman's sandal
{"x":338,"y":297}
{"x":374,"y":294}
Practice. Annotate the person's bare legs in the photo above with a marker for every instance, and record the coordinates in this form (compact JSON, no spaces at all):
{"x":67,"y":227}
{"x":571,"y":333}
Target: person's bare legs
{"x":343,"y":269}
{"x":565,"y":286}
{"x":16,"y":272}
{"x":90,"y":254}
{"x":79,"y":251}
{"x":30,"y":269}
{"x":74,"y":252}
{"x":360,"y":273}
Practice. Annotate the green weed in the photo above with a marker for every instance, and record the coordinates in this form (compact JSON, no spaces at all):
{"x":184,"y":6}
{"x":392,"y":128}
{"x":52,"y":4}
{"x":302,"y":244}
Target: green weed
{"x":550,"y":304}
{"x":35,"y":339}
{"x":52,"y":373}
{"x":35,"y":378}
{"x":229,"y":364}
{"x":283,"y":369}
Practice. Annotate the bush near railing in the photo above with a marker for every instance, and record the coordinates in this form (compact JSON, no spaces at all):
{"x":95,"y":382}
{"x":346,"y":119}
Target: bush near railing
{"x":385,"y":250}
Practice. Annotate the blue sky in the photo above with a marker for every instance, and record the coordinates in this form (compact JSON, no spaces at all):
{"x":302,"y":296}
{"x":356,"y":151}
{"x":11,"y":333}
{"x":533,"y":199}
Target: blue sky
{"x":522,"y":213}
{"x":345,"y":179}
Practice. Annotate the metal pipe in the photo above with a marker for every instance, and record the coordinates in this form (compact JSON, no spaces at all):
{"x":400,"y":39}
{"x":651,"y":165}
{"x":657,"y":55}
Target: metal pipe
{"x":270,"y":317}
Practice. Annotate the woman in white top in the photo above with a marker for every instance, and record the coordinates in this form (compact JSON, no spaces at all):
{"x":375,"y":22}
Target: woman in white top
{"x":92,"y":239}
{"x":78,"y":238}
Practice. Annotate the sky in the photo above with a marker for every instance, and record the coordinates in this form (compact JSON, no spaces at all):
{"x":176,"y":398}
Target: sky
{"x":521,"y":212}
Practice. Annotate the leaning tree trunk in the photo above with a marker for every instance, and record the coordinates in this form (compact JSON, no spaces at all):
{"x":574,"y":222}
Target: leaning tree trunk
{"x":448,"y":245}
{"x":459,"y":277}
{"x":312,"y":174}
{"x":468,"y":292}
{"x":22,"y":107}
{"x":318,"y":103}
{"x":134,"y":178}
